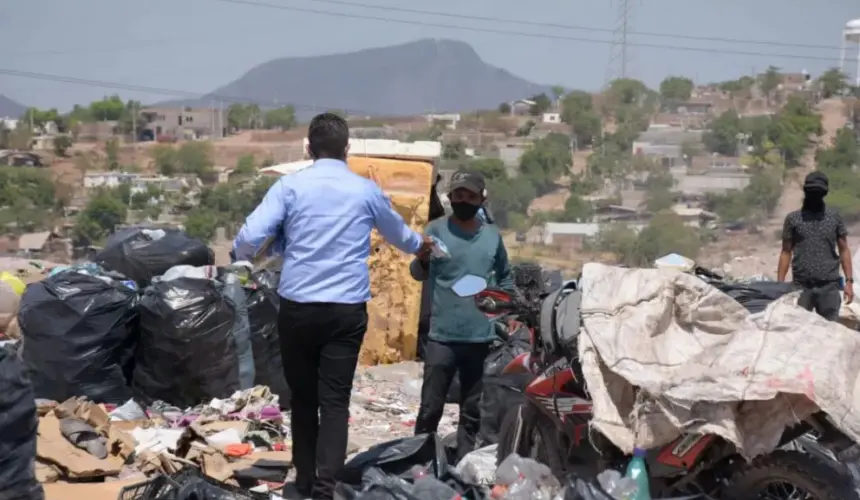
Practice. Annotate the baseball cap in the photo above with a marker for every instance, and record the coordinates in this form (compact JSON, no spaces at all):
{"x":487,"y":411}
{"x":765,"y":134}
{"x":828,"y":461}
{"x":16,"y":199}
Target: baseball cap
{"x":816,"y":180}
{"x":471,"y":181}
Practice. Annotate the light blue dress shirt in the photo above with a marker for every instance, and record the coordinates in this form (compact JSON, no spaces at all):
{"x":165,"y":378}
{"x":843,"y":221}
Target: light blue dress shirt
{"x":322,"y":217}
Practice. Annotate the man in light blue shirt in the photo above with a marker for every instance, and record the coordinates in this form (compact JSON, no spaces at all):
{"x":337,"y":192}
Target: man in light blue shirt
{"x":322,"y":217}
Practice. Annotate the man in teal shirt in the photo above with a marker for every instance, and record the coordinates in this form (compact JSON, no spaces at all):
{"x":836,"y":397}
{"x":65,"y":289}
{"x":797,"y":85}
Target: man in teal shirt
{"x":460,"y":335}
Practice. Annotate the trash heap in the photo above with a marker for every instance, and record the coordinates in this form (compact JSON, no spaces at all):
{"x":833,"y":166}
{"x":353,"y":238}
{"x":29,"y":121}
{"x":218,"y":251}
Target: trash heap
{"x":421,"y":468}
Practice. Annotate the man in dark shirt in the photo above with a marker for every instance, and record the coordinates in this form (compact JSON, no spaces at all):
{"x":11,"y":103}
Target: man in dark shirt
{"x":810,"y":238}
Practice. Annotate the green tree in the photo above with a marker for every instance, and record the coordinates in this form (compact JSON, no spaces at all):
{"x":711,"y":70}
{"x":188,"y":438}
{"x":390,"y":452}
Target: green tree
{"x":721,"y":135}
{"x":577,"y":110}
{"x":576,"y":209}
{"x":455,"y":150}
{"x":833,"y":82}
{"x":491,"y":168}
{"x":62,"y":143}
{"x":666,"y":233}
{"x":283,"y":118}
{"x":110,"y":108}
{"x":547,"y":160}
{"x":40,"y":118}
{"x":793,"y":128}
{"x":838,"y":162}
{"x":557,"y":92}
{"x":244,"y":116}
{"x":769,"y":81}
{"x":165,"y":159}
{"x":100,"y":217}
{"x":620,"y":240}
{"x":504,"y":108}
{"x":201,"y":224}
{"x":627,"y":91}
{"x":246,"y":166}
{"x":30,"y":184}
{"x":659,"y":196}
{"x":676,"y":88}
{"x":196,"y":158}
{"x":541,"y":104}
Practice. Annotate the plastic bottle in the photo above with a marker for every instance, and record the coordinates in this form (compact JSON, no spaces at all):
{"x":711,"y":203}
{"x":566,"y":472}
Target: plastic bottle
{"x":617,"y":486}
{"x":638,"y":472}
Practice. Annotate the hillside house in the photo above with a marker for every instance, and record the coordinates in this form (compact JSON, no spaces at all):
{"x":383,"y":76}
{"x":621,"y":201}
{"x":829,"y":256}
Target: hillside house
{"x":108,"y":179}
{"x":42,"y":243}
{"x":510,"y":152}
{"x":97,"y":131}
{"x":185,"y":122}
{"x":568,"y":236}
{"x":667,"y":155}
{"x":699,"y":107}
{"x":716,"y":181}
{"x":551,"y":118}
{"x":521,"y":107}
{"x":12,"y":158}
{"x":450,"y":120}
{"x":665,"y":134}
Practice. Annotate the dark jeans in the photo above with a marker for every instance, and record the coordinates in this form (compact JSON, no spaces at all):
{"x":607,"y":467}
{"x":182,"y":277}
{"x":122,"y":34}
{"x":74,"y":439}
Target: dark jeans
{"x":441,"y":361}
{"x":822,"y":298}
{"x":319,"y":346}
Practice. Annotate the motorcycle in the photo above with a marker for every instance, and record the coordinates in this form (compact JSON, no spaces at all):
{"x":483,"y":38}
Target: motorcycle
{"x":552,"y":426}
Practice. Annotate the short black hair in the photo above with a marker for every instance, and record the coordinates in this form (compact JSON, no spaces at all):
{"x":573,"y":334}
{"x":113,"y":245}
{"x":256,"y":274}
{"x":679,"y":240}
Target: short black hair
{"x":328,"y":136}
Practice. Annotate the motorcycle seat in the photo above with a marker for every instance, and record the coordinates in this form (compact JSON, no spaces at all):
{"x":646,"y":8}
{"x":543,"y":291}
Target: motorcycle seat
{"x":560,"y":318}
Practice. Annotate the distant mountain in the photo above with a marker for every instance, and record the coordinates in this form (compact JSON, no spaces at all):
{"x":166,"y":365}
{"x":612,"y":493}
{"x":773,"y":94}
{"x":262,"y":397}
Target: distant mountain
{"x":412,"y":78}
{"x":10,"y":108}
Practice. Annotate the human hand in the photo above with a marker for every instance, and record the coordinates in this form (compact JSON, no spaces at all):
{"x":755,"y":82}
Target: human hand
{"x":427,"y":244}
{"x":849,"y":292}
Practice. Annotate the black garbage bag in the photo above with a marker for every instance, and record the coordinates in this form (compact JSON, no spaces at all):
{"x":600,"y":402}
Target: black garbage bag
{"x":18,"y":425}
{"x":757,"y":295}
{"x":142,"y":254}
{"x":263,"y":305}
{"x":187,"y":354}
{"x":80,"y":333}
{"x":397,"y":458}
{"x":502,"y":391}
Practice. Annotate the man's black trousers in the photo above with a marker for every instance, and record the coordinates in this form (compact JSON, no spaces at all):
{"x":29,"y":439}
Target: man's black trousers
{"x":319,"y":346}
{"x":441,"y":361}
{"x":822,"y":298}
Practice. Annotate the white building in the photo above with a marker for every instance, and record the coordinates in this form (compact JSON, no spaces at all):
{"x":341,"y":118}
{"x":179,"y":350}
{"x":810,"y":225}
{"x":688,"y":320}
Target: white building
{"x":551,"y":118}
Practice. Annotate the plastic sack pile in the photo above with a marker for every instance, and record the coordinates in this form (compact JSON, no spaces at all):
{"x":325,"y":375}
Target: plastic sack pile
{"x":151,"y":318}
{"x":696,"y":353}
{"x":420,"y":468}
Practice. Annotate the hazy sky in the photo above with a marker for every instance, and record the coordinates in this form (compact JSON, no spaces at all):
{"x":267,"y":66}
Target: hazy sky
{"x":198,"y":45}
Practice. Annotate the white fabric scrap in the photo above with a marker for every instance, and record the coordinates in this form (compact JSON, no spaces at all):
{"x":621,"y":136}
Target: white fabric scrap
{"x":703,"y":364}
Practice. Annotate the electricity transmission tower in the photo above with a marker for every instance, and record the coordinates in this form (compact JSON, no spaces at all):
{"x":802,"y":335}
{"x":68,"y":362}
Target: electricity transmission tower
{"x":619,"y":57}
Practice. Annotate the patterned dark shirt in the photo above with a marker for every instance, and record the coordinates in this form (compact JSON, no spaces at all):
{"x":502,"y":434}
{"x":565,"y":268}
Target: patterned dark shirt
{"x":814,"y":237}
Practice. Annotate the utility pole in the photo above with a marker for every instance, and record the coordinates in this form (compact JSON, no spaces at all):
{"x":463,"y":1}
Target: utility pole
{"x":134,"y":123}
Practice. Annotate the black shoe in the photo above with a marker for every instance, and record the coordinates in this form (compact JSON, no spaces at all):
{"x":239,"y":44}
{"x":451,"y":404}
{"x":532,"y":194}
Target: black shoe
{"x":293,"y":491}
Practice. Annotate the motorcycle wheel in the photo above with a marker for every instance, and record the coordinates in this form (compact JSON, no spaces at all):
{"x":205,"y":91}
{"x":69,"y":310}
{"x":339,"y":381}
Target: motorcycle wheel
{"x":786,"y":475}
{"x":538,"y":440}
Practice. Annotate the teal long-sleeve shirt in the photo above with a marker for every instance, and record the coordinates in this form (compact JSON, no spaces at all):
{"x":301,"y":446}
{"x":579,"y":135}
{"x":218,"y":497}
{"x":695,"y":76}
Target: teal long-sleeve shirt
{"x":454,"y":318}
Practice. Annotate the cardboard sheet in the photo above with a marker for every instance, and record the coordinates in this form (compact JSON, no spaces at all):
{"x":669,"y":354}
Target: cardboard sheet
{"x":392,"y":333}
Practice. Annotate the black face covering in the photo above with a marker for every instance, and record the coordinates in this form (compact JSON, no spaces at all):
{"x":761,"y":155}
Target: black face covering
{"x":813,"y":200}
{"x":464,"y":210}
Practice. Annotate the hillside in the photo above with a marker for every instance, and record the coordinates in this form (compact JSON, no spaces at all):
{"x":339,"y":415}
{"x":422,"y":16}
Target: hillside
{"x":10,"y":108}
{"x":412,"y":78}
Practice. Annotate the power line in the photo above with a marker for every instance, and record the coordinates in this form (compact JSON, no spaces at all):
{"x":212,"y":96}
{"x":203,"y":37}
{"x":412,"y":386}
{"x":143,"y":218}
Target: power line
{"x":254,"y":3}
{"x":143,"y":44}
{"x":577,"y":27}
{"x":162,"y":91}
